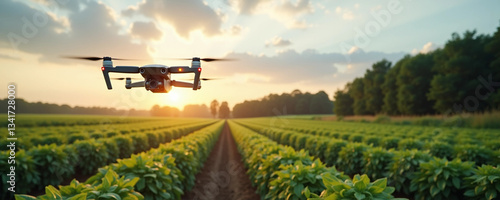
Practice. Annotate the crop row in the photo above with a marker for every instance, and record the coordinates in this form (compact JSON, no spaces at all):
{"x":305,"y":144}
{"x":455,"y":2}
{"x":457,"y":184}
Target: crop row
{"x":32,"y":137}
{"x":412,"y":172}
{"x":478,"y":154}
{"x":48,"y":120}
{"x":52,"y":164}
{"x":161,"y":173}
{"x":375,"y":133}
{"x":280,"y":172}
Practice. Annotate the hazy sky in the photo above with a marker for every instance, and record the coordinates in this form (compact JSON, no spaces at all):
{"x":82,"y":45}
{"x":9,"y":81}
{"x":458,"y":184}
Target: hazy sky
{"x":280,"y":45}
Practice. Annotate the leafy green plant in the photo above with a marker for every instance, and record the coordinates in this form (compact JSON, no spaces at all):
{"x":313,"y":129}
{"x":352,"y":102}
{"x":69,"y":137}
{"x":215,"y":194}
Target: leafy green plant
{"x":404,"y":164}
{"x":373,"y":140}
{"x":377,"y":161}
{"x":140,"y":142}
{"x":356,"y":138}
{"x":291,"y":180}
{"x":441,"y":179}
{"x":185,"y":161}
{"x":74,"y":137}
{"x":112,"y":149}
{"x":332,"y":151}
{"x":53,"y":162}
{"x":153,"y":140}
{"x":359,"y":187}
{"x":410,"y":144}
{"x":390,"y":142}
{"x":125,"y":146}
{"x":475,"y":153}
{"x":155,"y":180}
{"x":441,"y":150}
{"x":484,"y":184}
{"x":92,"y":155}
{"x":351,"y":159}
{"x":112,"y":187}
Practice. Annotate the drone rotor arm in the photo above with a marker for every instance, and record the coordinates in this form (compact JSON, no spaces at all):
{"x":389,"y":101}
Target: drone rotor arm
{"x":117,"y":69}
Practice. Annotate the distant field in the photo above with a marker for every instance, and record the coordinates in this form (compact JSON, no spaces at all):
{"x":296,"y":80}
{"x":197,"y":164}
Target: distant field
{"x":286,"y":156}
{"x":420,"y":161}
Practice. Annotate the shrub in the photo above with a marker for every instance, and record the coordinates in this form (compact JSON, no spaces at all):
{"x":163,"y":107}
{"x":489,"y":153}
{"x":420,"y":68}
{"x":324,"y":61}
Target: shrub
{"x":290,"y":181}
{"x":485,"y":183}
{"x":358,"y":188}
{"x":441,"y":150}
{"x":404,"y":164}
{"x":351,"y":159}
{"x":152,"y":140}
{"x":373,"y":140}
{"x":92,"y":155}
{"x":410,"y":144}
{"x":356,"y":138}
{"x":112,"y":149}
{"x":140,"y":142}
{"x":112,"y":187}
{"x":441,"y":179}
{"x":125,"y":146}
{"x":74,"y":137}
{"x":382,"y":119}
{"x":478,"y":154}
{"x":332,"y":151}
{"x":390,"y":142}
{"x":97,"y":135}
{"x":53,"y":162}
{"x":377,"y":161}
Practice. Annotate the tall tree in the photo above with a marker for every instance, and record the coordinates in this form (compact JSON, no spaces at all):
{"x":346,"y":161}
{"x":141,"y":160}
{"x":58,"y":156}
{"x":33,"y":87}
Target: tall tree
{"x":458,"y":66}
{"x":343,"y":102}
{"x":357,"y":94}
{"x":414,"y":83}
{"x":390,"y":88}
{"x":493,"y":48}
{"x":213,"y":108}
{"x":372,"y":82}
{"x":224,"y":111}
{"x":321,"y":104}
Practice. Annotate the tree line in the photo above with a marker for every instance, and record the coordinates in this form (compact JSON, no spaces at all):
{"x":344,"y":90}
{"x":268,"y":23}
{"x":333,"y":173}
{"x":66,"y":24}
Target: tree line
{"x":462,"y":76}
{"x":23,"y":106}
{"x":216,"y":110}
{"x":295,"y":103}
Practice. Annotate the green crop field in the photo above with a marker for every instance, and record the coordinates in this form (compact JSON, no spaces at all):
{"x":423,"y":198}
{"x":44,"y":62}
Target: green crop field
{"x":102,"y":157}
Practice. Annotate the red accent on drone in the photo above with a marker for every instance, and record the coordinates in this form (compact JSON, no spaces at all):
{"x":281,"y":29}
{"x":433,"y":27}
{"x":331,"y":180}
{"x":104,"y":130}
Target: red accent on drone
{"x":199,"y":69}
{"x":102,"y":68}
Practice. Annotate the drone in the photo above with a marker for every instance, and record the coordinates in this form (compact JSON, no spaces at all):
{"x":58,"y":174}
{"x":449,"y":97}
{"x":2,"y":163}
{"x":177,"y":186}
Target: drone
{"x":157,"y":78}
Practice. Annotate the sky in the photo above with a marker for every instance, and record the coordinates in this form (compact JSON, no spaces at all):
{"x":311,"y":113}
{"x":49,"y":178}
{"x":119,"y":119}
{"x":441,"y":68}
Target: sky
{"x":279,"y":45}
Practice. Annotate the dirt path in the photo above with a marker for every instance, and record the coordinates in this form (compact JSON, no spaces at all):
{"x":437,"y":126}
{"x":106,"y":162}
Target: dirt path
{"x":223,"y":177}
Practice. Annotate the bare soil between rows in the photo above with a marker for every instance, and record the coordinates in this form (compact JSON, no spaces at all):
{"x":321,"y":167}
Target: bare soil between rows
{"x":223,"y":176}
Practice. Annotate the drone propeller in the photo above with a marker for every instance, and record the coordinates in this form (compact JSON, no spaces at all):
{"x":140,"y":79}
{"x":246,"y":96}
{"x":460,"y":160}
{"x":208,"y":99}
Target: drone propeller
{"x":125,"y":78}
{"x":207,"y":59}
{"x":92,"y":58}
{"x":203,"y":79}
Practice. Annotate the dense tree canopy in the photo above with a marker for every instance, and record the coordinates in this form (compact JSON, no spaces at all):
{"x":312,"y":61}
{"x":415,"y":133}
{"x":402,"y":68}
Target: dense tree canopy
{"x":463,"y":76}
{"x":285,"y":104}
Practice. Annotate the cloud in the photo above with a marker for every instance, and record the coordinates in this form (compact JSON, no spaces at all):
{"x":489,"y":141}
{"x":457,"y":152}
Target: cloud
{"x":344,"y":13}
{"x":92,"y":31}
{"x":286,"y":12}
{"x":8,"y":57}
{"x":146,"y":30}
{"x":185,"y":16}
{"x":278,"y":42}
{"x":248,"y":7}
{"x":308,"y":66}
{"x":428,"y":47}
{"x":300,"y":7}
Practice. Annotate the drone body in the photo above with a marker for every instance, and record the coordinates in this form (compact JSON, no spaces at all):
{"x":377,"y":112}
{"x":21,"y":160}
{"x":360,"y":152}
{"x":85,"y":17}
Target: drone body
{"x":157,"y":78}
